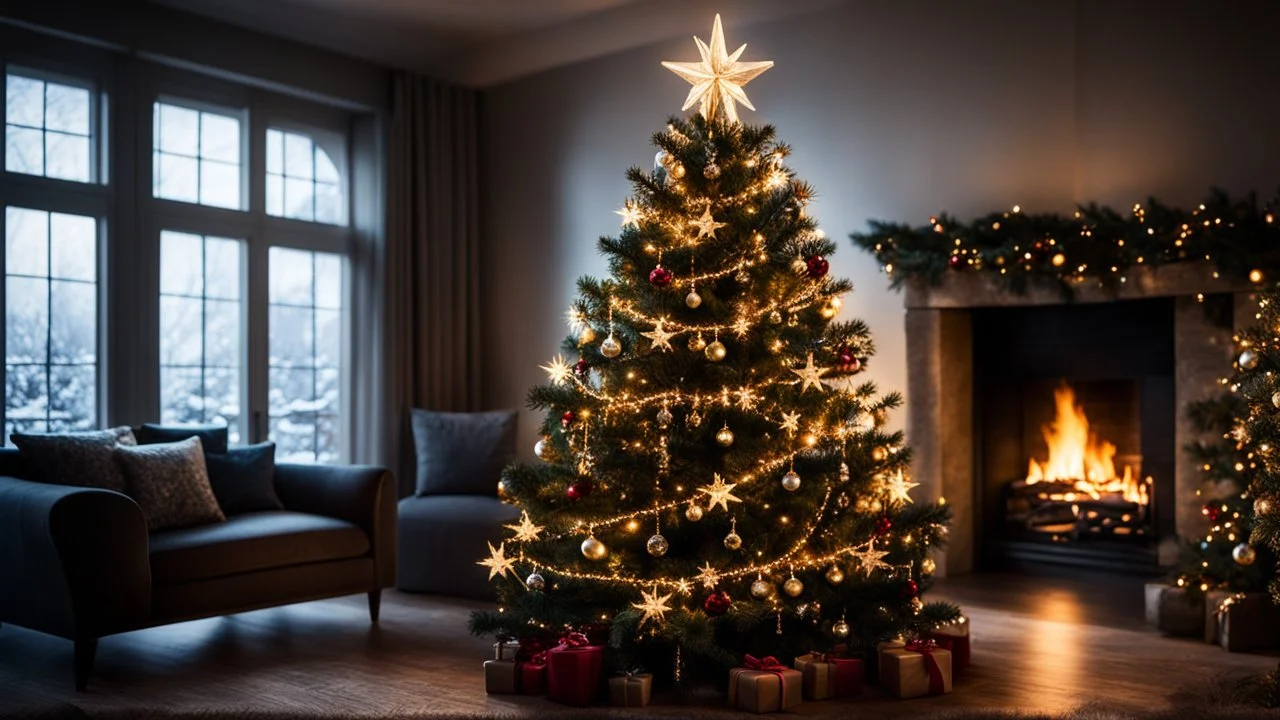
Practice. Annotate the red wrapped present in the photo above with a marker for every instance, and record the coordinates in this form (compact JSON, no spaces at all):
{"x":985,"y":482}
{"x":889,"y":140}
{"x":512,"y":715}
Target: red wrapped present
{"x":531,"y":667}
{"x":574,"y":670}
{"x":827,"y":676}
{"x":765,"y":685}
{"x":955,"y":638}
{"x":915,"y":669}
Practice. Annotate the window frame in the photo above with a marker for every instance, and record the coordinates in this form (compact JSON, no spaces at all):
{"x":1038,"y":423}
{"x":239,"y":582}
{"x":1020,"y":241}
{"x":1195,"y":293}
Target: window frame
{"x":98,"y":169}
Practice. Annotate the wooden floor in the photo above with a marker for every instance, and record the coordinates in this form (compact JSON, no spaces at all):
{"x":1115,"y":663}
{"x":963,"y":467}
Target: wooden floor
{"x":1039,"y":644}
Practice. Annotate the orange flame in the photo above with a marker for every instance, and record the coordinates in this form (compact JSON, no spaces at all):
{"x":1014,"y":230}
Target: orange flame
{"x":1077,"y":456}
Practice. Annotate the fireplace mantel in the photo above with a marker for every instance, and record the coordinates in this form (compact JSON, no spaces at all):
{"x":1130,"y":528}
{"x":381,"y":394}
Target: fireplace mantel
{"x":940,"y":379}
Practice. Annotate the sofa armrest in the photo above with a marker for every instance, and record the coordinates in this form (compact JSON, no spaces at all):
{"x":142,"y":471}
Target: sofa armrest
{"x":74,"y":561}
{"x":363,"y":495}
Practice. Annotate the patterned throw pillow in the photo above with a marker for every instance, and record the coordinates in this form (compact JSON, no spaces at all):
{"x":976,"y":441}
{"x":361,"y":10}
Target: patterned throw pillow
{"x":86,"y":459}
{"x":170,"y":483}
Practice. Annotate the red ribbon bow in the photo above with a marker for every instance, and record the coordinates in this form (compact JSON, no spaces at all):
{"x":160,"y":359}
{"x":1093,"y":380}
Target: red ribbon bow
{"x":573,"y":640}
{"x":926,"y":647}
{"x":769,"y":664}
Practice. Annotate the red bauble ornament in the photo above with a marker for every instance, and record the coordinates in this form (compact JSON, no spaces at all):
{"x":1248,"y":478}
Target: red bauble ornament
{"x":910,"y":589}
{"x":883,"y":525}
{"x":580,"y":489}
{"x":660,"y":277}
{"x":1212,"y":511}
{"x":717,"y":603}
{"x":567,"y":418}
{"x":847,"y":362}
{"x":956,"y":261}
{"x":817,"y":266}
{"x":581,"y":367}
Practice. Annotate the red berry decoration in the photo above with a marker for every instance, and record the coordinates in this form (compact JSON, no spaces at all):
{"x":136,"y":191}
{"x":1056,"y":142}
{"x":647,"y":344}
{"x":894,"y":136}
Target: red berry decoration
{"x":883,"y":525}
{"x":817,"y":267}
{"x":717,"y":603}
{"x":567,"y":418}
{"x":580,"y":489}
{"x":660,"y":277}
{"x":581,"y":368}
{"x":910,"y":589}
{"x":956,"y":261}
{"x":1212,"y":511}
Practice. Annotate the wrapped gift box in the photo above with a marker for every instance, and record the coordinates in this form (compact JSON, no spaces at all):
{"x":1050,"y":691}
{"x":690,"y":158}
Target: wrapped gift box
{"x":765,"y":685}
{"x":1240,"y":622}
{"x":1174,"y":610}
{"x":533,"y":675}
{"x":826,"y":677}
{"x":954,"y":637}
{"x":915,"y":669}
{"x":506,"y":650}
{"x":574,"y":671}
{"x":501,"y":677}
{"x":630,"y":689}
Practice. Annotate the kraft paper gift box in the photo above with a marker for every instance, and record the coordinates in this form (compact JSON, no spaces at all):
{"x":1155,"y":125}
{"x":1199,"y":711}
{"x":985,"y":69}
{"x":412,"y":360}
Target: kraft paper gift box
{"x":630,"y":689}
{"x":765,"y":685}
{"x":916,"y":669}
{"x":827,"y":677}
{"x":1240,"y":622}
{"x":501,"y":677}
{"x":506,"y":649}
{"x":1176,"y":611}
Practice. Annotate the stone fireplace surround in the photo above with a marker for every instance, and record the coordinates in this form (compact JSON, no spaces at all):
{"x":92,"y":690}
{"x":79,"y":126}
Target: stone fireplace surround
{"x":940,"y":382}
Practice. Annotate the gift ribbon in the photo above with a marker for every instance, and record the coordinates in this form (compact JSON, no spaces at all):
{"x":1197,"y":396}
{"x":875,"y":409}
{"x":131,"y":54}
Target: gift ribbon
{"x":926,"y":647}
{"x":574,"y":640}
{"x":769,"y":664}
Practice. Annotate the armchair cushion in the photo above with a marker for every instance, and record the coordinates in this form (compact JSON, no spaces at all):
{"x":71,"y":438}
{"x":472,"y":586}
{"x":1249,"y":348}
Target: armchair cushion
{"x":213,"y":438}
{"x":243,"y":478}
{"x":462,"y":453}
{"x":249,"y":542}
{"x":85,"y":459}
{"x":170,"y":483}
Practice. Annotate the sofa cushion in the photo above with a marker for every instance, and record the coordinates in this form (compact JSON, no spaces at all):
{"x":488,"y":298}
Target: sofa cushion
{"x":249,"y":542}
{"x":244,"y":478}
{"x":440,"y":538}
{"x":170,"y":483}
{"x":462,"y":453}
{"x":86,"y":459}
{"x":212,"y":437}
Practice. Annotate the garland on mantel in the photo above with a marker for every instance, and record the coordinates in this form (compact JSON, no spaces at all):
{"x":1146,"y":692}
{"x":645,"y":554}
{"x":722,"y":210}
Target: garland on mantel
{"x":1097,"y":244}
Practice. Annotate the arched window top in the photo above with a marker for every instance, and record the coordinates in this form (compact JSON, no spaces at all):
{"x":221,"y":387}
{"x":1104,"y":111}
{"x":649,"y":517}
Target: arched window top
{"x":304,"y":178}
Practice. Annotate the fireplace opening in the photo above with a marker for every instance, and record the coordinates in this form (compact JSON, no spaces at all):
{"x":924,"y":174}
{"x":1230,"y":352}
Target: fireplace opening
{"x":1075,"y":415}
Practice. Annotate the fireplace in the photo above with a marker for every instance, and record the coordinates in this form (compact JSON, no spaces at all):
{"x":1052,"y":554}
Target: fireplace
{"x":994,"y":376}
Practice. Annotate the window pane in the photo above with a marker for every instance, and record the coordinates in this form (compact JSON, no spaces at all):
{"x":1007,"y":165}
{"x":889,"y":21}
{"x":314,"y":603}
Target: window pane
{"x":219,"y":184}
{"x":26,"y":398}
{"x":290,"y":276}
{"x":182,"y":391}
{"x":24,"y":101}
{"x":198,"y":157}
{"x":326,"y":171}
{"x":26,"y":327}
{"x":219,"y":138}
{"x":74,"y":251}
{"x":291,"y":336}
{"x":275,"y":195}
{"x":26,"y":241}
{"x":298,"y":156}
{"x":298,"y":199}
{"x":328,"y":203}
{"x":66,"y":157}
{"x":67,"y":109}
{"x":180,"y":263}
{"x":73,"y":326}
{"x":222,"y":268}
{"x":181,"y":331}
{"x":222,"y":333}
{"x":328,"y":281}
{"x":179,"y":130}
{"x":177,"y":178}
{"x":24,"y":150}
{"x":222,"y":399}
{"x":72,"y":397}
{"x":275,"y":152}
{"x":303,"y":181}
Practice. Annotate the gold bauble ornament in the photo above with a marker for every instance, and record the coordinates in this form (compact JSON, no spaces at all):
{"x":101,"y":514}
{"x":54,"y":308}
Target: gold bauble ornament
{"x":733,"y":541}
{"x":840,"y":629}
{"x":775,"y":317}
{"x":504,"y":490}
{"x":593,"y":549}
{"x":587,"y":336}
{"x":693,"y":513}
{"x":697,"y":343}
{"x":793,"y":586}
{"x":835,"y":575}
{"x":916,"y":605}
{"x":761,"y":590}
{"x":715,"y":351}
{"x":928,"y":566}
{"x":711,"y":171}
{"x":693,"y":300}
{"x":1262,"y":506}
{"x":1244,"y":554}
{"x":610,"y":348}
{"x":791,"y":481}
{"x":724,"y":436}
{"x":879,"y":454}
{"x":657,"y":546}
{"x":1275,"y":398}
{"x":1248,"y":360}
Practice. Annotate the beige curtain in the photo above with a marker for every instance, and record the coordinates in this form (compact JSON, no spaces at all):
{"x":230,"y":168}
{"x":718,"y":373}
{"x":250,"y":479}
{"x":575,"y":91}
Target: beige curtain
{"x":427,"y":331}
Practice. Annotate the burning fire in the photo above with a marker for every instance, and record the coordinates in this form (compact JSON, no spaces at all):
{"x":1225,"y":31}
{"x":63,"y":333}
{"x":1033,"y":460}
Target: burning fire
{"x":1076,"y":456}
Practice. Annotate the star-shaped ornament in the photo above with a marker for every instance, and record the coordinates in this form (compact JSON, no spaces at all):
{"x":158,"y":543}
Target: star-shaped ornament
{"x":869,"y":559}
{"x":558,"y":370}
{"x":899,"y":488}
{"x":720,"y":493}
{"x":654,"y":607}
{"x":741,"y":327}
{"x":717,"y":80}
{"x":707,"y":225}
{"x":811,"y":375}
{"x":746,"y":398}
{"x":525,"y":530}
{"x":709,"y":576}
{"x":631,"y":214}
{"x":660,"y":337}
{"x":497,"y":562}
{"x":790,"y":422}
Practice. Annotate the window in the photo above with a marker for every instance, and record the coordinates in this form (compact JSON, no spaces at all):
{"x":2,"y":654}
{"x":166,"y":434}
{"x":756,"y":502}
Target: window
{"x":303,"y":183}
{"x":196,"y":156}
{"x":200,"y":330}
{"x":51,"y":321}
{"x":305,"y":354}
{"x":47,"y":128}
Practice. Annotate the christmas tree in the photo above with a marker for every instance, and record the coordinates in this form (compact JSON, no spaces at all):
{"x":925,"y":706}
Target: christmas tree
{"x":1223,"y":558}
{"x":713,"y":480}
{"x":1258,"y":427}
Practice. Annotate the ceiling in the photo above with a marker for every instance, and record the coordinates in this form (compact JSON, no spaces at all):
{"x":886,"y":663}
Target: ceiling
{"x":484,"y":42}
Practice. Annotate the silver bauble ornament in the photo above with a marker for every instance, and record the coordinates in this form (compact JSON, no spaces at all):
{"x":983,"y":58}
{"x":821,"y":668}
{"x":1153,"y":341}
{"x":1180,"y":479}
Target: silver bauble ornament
{"x":733,"y":541}
{"x":793,"y":587}
{"x":664,"y":417}
{"x":697,"y":343}
{"x":693,"y":300}
{"x":1262,"y":506}
{"x":661,"y":159}
{"x":1244,"y":554}
{"x":711,"y":171}
{"x":715,"y":351}
{"x":835,"y":575}
{"x":593,"y":549}
{"x":540,"y":447}
{"x":657,"y":546}
{"x":725,"y":436}
{"x":693,"y":513}
{"x":610,"y":348}
{"x":761,"y":590}
{"x":535,"y":582}
{"x":791,"y":481}
{"x":840,"y":629}
{"x":1248,"y":359}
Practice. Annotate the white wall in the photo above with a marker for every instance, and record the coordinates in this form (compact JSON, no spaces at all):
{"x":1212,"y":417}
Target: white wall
{"x":895,"y":111}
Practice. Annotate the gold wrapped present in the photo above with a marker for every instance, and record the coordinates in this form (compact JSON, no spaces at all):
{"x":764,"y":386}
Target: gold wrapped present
{"x":1240,"y":622}
{"x":630,"y":689}
{"x":765,"y":685}
{"x":915,"y":669}
{"x":827,"y":677}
